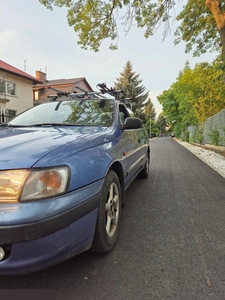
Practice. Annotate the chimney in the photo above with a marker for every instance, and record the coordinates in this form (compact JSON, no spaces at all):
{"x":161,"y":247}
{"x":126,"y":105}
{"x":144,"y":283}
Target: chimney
{"x":41,"y":76}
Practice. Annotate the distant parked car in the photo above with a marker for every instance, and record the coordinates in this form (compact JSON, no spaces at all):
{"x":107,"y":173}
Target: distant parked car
{"x":172,"y":135}
{"x":64,"y":169}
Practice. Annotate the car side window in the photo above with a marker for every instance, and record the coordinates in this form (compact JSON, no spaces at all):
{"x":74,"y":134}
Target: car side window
{"x":123,"y":113}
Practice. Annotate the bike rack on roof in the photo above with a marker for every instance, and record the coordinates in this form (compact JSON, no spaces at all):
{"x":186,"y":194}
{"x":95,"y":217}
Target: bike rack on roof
{"x":117,"y":94}
{"x":103,"y":89}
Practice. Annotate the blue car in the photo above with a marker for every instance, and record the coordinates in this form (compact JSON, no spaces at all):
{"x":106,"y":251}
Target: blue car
{"x":64,"y":168}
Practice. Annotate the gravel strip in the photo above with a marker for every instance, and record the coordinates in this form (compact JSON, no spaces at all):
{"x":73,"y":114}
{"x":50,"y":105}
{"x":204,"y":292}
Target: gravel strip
{"x":211,"y":158}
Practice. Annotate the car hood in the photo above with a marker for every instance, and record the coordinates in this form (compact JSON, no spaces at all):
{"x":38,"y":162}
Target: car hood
{"x":23,"y":147}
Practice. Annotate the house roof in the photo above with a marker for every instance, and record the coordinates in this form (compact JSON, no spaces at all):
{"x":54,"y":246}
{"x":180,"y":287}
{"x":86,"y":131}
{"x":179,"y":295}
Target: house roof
{"x":60,"y":82}
{"x":51,"y":87}
{"x":10,"y":69}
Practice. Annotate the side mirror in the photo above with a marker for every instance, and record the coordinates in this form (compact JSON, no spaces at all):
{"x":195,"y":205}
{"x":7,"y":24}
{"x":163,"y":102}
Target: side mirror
{"x":132,"y":123}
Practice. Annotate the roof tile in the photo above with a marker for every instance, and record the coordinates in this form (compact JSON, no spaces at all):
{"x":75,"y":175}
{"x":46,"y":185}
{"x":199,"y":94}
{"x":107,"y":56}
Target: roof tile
{"x":6,"y":67}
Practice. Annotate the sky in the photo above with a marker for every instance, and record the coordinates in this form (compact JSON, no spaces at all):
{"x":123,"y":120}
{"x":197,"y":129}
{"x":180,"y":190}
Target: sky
{"x":34,"y":38}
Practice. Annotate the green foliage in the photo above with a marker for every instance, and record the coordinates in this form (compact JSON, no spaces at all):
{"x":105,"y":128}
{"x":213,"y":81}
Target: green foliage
{"x":214,"y":136}
{"x":132,"y":87}
{"x":149,"y":109}
{"x":93,"y":20}
{"x":150,"y":126}
{"x":198,"y":28}
{"x":223,"y":134}
{"x":161,"y":123}
{"x":96,"y":20}
{"x":198,"y":136}
{"x":196,"y":95}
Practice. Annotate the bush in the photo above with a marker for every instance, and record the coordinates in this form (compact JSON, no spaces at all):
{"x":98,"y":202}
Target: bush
{"x":198,"y":136}
{"x":214,"y":136}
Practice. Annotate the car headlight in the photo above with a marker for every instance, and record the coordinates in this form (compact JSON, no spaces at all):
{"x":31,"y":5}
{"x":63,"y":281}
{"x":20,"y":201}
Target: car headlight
{"x":27,"y":185}
{"x":11,"y":183}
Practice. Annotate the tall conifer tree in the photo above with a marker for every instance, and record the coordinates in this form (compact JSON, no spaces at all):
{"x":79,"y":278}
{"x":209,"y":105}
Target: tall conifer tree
{"x":131,"y":85}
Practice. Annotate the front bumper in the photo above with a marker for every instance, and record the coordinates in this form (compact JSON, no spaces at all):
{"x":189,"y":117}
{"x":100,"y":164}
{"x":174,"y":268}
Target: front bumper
{"x":31,"y":231}
{"x":58,"y":232}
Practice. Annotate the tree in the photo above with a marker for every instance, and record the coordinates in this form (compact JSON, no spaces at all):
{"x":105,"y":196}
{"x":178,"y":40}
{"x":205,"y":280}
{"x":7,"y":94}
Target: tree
{"x":196,"y":95}
{"x":170,"y":105}
{"x":133,"y":89}
{"x":96,"y":20}
{"x":150,"y":115}
{"x":161,"y":123}
{"x":149,"y":109}
{"x":197,"y":28}
{"x":216,"y":7}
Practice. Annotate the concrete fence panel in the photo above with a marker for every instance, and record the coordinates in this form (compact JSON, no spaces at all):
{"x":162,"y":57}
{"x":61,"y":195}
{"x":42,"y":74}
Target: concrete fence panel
{"x":212,"y":131}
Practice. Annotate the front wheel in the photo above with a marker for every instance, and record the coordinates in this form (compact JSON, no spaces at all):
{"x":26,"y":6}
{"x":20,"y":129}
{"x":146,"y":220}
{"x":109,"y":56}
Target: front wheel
{"x":107,"y":227}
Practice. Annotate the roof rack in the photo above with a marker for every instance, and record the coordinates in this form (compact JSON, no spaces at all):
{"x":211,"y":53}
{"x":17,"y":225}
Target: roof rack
{"x":103,"y":89}
{"x":118,"y":94}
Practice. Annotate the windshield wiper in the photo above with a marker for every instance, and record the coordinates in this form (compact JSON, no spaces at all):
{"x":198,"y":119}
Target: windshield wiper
{"x":53,"y":124}
{"x":30,"y":125}
{"x":41,"y":125}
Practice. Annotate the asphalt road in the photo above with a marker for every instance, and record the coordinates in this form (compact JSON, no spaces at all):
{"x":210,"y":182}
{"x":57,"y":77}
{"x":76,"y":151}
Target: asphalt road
{"x":171,"y":243}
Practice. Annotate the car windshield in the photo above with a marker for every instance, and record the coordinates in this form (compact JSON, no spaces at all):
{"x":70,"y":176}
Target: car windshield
{"x":82,"y":112}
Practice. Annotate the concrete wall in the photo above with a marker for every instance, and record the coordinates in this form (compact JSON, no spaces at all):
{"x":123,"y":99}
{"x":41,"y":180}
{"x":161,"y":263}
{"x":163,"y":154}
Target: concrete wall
{"x":213,"y":126}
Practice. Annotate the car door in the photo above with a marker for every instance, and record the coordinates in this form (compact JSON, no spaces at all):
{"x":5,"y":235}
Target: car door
{"x":134,"y":143}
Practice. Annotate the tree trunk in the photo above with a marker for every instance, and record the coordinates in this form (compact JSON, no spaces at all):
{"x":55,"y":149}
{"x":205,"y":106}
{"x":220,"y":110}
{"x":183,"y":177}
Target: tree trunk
{"x":215,"y":7}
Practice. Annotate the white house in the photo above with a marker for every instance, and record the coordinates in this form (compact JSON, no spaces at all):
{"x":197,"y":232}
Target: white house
{"x":20,"y":91}
{"x":16,"y":91}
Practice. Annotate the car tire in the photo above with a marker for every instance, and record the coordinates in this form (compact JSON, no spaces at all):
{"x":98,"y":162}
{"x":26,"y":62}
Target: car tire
{"x":108,"y":221}
{"x":144,"y":173}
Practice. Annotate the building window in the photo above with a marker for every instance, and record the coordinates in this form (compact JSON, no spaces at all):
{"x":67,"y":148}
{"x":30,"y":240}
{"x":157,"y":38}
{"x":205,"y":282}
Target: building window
{"x":7,"y":87}
{"x":9,"y":114}
{"x":2,"y":86}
